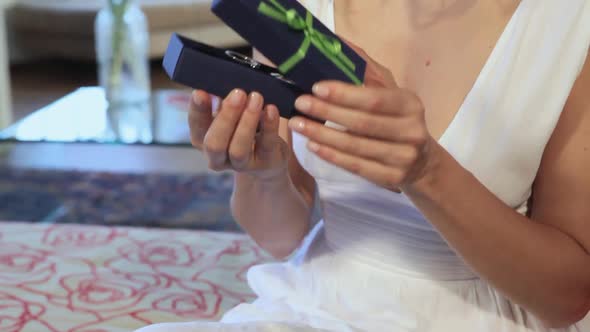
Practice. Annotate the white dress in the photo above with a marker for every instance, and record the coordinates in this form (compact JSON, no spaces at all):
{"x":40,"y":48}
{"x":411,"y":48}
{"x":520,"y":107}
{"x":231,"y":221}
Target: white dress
{"x":375,"y":263}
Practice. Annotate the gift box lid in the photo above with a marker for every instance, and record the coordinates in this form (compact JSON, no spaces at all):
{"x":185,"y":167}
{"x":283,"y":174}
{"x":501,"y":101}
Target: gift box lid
{"x":302,"y":47}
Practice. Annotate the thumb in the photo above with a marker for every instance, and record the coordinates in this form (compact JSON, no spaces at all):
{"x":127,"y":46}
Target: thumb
{"x":375,"y":74}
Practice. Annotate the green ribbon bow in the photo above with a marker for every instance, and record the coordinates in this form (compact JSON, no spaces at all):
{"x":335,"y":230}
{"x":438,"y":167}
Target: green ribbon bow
{"x":330,"y":47}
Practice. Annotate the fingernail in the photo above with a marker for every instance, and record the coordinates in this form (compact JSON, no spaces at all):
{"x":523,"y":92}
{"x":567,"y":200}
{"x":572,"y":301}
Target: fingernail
{"x":270,"y":114}
{"x":255,"y":102}
{"x":313,"y":146}
{"x":303,"y":104}
{"x":297,"y":125}
{"x":321,"y":90}
{"x":236,"y":98}
{"x":197,"y":100}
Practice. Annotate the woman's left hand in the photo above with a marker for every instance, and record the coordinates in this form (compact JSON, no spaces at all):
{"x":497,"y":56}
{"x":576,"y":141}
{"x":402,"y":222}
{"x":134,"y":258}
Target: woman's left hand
{"x":386,"y":140}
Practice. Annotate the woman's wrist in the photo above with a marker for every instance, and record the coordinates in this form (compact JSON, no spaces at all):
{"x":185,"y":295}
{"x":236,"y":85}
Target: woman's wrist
{"x":272,"y":177}
{"x":436,"y":166}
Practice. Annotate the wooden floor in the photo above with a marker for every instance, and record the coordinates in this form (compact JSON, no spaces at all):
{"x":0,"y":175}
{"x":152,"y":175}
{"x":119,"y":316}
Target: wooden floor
{"x":37,"y":84}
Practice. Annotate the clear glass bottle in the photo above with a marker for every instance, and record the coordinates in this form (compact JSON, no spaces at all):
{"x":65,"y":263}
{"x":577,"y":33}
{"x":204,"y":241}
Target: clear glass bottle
{"x":122,"y":53}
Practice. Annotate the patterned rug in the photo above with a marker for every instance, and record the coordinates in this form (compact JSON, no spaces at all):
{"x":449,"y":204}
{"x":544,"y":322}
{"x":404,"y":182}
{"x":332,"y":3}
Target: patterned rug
{"x":148,"y":200}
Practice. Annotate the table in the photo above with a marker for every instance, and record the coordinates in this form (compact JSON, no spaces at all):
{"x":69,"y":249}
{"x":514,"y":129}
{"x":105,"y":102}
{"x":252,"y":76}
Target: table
{"x":102,"y":179}
{"x":75,"y":133}
{"x":62,"y":164}
{"x":82,"y":117}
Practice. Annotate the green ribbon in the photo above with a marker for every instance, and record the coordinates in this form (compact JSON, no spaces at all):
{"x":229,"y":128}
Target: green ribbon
{"x":329,"y":46}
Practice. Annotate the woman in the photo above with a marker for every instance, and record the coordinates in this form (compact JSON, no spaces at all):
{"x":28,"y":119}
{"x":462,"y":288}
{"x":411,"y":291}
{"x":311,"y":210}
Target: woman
{"x":454,"y":184}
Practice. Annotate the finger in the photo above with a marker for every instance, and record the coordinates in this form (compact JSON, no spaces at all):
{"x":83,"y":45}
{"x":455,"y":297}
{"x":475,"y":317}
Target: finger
{"x":218,"y":137}
{"x":270,"y":130}
{"x":384,"y":176}
{"x":388,"y":153}
{"x":378,"y":126}
{"x":240,"y":149}
{"x":199,"y":117}
{"x":375,"y":73}
{"x":375,"y":100}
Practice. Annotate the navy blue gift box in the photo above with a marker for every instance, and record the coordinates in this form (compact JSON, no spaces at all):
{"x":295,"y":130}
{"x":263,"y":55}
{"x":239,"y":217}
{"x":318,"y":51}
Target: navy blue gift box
{"x":218,"y":71}
{"x":302,"y":48}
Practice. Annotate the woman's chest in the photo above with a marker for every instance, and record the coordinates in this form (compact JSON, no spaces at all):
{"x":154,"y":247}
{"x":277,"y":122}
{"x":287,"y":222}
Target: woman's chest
{"x":439,"y":56}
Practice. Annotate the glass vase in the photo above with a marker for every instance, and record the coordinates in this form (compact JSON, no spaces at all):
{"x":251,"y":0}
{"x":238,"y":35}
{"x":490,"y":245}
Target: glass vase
{"x":122,"y":53}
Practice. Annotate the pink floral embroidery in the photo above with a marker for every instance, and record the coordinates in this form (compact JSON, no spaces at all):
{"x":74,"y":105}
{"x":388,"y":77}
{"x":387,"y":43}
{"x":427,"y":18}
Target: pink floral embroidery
{"x":20,"y":264}
{"x":69,"y":278}
{"x":78,"y":236}
{"x":15,"y":313}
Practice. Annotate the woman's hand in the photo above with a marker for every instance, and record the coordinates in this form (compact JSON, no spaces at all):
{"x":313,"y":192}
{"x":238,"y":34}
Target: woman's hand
{"x":229,"y":138}
{"x":385,"y":139}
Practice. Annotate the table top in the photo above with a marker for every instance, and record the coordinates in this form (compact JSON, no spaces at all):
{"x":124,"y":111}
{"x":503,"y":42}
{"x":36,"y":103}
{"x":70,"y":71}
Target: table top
{"x":82,"y":117}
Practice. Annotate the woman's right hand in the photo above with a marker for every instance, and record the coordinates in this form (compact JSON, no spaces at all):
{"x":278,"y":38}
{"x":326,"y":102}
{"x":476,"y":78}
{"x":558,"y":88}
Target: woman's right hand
{"x":229,"y":138}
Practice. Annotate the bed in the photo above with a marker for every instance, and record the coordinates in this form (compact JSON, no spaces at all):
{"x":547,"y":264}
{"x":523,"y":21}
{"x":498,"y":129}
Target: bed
{"x":75,"y":278}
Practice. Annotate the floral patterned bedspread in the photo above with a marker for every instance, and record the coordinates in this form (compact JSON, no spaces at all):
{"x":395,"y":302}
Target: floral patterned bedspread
{"x":92,"y":279}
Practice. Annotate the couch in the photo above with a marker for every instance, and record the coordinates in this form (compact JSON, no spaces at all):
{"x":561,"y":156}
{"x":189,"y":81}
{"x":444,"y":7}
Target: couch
{"x":65,"y":28}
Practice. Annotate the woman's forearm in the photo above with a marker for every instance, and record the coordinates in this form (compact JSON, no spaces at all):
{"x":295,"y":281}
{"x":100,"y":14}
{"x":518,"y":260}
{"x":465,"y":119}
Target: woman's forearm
{"x":534,"y":264}
{"x":273,"y":212}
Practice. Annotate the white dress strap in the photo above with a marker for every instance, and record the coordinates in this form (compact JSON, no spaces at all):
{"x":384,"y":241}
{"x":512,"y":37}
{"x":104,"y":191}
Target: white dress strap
{"x":503,"y":127}
{"x":322,"y":9}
